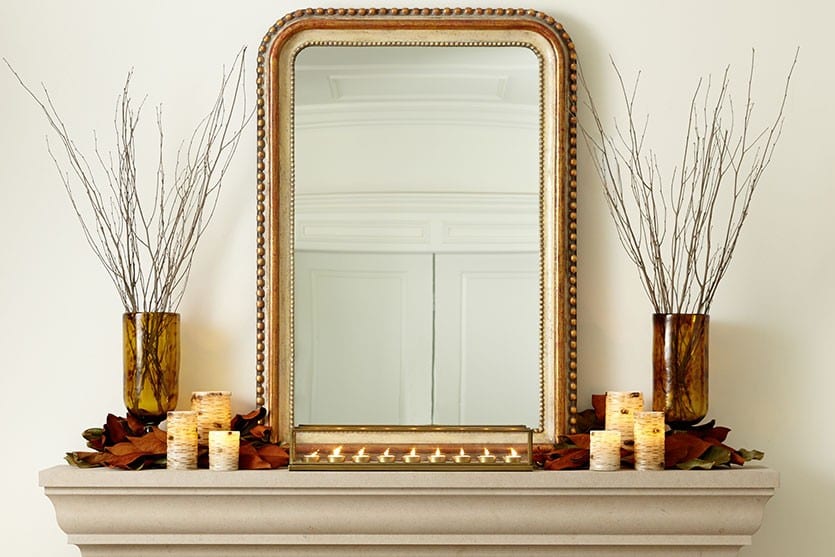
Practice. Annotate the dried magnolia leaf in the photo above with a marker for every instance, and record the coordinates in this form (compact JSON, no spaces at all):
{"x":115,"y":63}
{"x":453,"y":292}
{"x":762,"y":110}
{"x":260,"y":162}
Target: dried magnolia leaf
{"x":695,"y":463}
{"x":748,"y":456}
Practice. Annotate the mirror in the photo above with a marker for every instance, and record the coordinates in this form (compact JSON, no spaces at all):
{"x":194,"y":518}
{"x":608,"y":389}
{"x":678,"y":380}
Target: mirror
{"x":416,"y":210}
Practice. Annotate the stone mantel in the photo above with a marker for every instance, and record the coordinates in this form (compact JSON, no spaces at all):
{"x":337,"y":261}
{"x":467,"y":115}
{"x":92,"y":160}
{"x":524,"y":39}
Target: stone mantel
{"x":212,"y":514}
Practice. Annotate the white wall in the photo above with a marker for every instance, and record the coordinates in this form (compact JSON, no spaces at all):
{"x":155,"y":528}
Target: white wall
{"x":772,"y":320}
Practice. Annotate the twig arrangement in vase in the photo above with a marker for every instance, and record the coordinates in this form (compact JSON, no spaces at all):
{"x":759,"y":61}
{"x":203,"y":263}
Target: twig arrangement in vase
{"x":146,"y":239}
{"x":681,"y":230}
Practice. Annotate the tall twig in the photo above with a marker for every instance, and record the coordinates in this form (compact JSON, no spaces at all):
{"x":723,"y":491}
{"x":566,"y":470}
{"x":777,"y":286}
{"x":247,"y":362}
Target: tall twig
{"x":146,"y":248}
{"x":674,"y":229}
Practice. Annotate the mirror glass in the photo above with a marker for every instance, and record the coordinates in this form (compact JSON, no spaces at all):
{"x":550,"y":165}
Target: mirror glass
{"x":416,"y":236}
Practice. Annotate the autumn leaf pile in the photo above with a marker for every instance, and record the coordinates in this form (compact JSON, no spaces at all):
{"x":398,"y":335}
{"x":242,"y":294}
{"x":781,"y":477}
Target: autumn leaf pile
{"x":124,"y":443}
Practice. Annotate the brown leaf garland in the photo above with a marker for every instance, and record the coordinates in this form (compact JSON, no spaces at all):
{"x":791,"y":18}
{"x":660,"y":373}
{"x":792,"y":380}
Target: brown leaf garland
{"x":124,"y":443}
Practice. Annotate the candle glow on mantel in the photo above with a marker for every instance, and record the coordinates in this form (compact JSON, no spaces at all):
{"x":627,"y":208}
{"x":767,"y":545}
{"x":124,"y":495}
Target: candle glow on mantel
{"x":620,"y":412}
{"x":336,"y":456}
{"x":224,"y":449}
{"x":461,"y":457}
{"x":437,"y":457}
{"x":487,"y":458}
{"x":412,"y":457}
{"x":361,"y":457}
{"x":649,"y":440}
{"x":604,"y":450}
{"x":214,"y":412}
{"x":181,"y":451}
{"x":386,"y":457}
{"x":512,"y":457}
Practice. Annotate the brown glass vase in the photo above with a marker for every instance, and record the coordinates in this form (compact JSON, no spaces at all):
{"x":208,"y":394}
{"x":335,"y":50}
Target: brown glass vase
{"x":680,"y":367}
{"x":151,"y":364}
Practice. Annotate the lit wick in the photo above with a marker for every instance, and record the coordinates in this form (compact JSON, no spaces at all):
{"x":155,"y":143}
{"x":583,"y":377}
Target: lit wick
{"x":461,"y":457}
{"x":412,"y":457}
{"x":486,"y":458}
{"x":312,"y":457}
{"x":513,"y":457}
{"x":438,"y":457}
{"x":336,"y":457}
{"x":385,"y":458}
{"x":361,"y":457}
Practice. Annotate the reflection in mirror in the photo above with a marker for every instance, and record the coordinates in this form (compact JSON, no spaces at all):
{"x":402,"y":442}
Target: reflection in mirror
{"x":416,"y":238}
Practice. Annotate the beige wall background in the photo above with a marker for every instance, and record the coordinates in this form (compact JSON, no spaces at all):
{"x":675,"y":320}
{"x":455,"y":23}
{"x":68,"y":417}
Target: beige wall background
{"x":772,"y":335}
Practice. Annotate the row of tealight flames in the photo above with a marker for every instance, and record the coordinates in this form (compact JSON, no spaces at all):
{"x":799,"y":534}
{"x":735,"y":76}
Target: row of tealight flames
{"x":207,"y":423}
{"x":412,"y":457}
{"x":627,"y":422}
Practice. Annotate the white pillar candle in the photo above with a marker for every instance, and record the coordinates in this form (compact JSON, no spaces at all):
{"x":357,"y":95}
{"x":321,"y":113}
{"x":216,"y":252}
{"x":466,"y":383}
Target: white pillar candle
{"x":620,"y":412}
{"x":214,"y":412}
{"x":182,"y":440}
{"x":604,"y":450}
{"x":649,"y":441}
{"x":224,"y":447}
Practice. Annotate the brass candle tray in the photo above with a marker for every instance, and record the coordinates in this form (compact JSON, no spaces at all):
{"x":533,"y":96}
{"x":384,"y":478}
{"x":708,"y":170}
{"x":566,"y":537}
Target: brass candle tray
{"x":415,"y":448}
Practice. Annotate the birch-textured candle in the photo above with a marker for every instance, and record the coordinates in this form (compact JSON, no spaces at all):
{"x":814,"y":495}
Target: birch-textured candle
{"x":214,"y":412}
{"x":649,"y":441}
{"x":604,"y":450}
{"x":620,"y":412}
{"x":224,"y":447}
{"x":182,"y":440}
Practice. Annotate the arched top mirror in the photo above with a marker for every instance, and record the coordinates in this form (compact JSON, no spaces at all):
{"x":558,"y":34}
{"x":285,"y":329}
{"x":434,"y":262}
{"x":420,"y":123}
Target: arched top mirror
{"x":416,"y":221}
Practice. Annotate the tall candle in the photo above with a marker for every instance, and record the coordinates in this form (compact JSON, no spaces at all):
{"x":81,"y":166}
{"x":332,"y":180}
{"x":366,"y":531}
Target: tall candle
{"x":604,"y":450}
{"x":224,"y":448}
{"x":649,"y":441}
{"x":214,"y":412}
{"x":620,"y":412}
{"x":182,"y":440}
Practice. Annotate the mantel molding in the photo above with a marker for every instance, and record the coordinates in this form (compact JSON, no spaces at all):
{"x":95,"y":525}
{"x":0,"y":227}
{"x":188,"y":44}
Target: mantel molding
{"x":185,"y":513}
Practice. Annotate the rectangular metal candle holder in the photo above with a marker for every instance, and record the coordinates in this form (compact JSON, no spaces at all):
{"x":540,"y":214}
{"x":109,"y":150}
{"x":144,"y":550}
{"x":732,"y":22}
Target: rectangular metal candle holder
{"x":438,"y":448}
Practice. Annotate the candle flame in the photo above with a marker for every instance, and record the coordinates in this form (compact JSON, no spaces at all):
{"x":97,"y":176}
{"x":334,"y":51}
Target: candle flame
{"x":386,"y":453}
{"x":486,"y":452}
{"x":438,"y":451}
{"x":314,"y":453}
{"x":362,"y":451}
{"x":337,"y":450}
{"x":413,"y":453}
{"x":513,"y":452}
{"x":461,"y":452}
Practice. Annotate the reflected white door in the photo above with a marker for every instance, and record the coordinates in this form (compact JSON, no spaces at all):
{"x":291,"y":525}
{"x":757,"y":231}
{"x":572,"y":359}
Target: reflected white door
{"x":363,"y":338}
{"x":487,"y":339}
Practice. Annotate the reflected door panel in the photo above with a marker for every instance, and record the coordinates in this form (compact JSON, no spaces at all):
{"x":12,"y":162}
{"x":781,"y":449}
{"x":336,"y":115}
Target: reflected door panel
{"x":363,"y":338}
{"x":486,"y":342}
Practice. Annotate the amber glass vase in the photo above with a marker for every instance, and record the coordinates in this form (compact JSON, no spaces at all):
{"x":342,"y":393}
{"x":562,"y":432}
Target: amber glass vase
{"x":680,"y":367}
{"x":152,"y":364}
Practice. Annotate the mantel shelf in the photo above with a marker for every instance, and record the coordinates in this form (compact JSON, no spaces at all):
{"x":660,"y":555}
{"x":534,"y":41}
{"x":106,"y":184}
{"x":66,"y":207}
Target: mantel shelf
{"x":212,"y":514}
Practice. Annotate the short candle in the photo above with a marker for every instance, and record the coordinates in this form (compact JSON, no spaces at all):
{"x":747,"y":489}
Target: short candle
{"x":486,"y":458}
{"x":412,"y":457}
{"x":461,"y":457}
{"x":336,"y":457}
{"x":438,"y":457}
{"x":224,"y":448}
{"x":649,"y":441}
{"x":312,"y":457}
{"x":361,"y":457}
{"x":386,"y":457}
{"x":620,"y":412}
{"x":513,"y":457}
{"x":604,"y":450}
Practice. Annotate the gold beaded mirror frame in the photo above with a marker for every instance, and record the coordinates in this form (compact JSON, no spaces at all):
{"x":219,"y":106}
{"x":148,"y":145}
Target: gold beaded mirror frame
{"x":555,"y":62}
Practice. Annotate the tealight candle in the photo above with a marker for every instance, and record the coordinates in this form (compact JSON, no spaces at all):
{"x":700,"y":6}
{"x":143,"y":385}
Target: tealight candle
{"x":486,"y":458}
{"x":461,"y":457}
{"x":181,"y":451}
{"x":336,"y":457}
{"x":214,"y":412}
{"x":311,"y":458}
{"x":385,"y":458}
{"x":649,"y":441}
{"x":224,"y":447}
{"x":361,"y":457}
{"x":412,"y":457}
{"x":604,"y":450}
{"x":438,"y":457}
{"x":513,"y":457}
{"x":620,"y":412}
